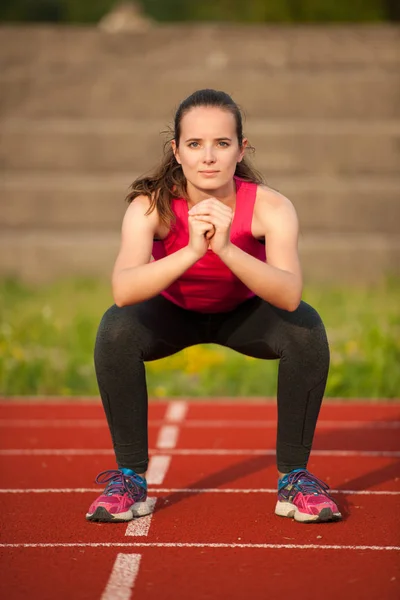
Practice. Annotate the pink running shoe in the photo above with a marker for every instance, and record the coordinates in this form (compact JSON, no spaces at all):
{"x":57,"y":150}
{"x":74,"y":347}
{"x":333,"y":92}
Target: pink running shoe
{"x":124,"y":498}
{"x":304,"y":497}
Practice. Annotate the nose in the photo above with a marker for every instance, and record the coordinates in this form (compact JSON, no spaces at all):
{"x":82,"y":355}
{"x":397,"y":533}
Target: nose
{"x":208,"y":156}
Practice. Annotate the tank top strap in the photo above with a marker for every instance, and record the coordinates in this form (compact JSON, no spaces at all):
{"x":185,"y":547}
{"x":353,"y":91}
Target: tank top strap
{"x":246,"y":193}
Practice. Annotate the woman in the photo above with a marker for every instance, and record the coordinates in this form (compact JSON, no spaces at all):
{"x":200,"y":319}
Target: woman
{"x":209,"y":255}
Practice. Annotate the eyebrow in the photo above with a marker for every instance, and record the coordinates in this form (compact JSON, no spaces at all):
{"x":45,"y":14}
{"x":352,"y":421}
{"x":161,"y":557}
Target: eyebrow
{"x":220,"y":139}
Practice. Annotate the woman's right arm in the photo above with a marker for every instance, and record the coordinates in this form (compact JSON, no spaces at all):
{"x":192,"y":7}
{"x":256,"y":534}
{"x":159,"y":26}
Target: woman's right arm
{"x":135,"y":277}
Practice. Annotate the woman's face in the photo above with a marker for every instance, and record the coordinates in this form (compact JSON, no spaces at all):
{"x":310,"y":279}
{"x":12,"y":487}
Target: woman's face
{"x":208,"y":147}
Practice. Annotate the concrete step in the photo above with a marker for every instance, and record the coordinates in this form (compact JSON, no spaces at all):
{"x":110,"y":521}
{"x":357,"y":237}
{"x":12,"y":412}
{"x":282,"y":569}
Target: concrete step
{"x":96,"y":202}
{"x":346,"y":147}
{"x":122,"y":93}
{"x":42,"y":256}
{"x":222,"y":45}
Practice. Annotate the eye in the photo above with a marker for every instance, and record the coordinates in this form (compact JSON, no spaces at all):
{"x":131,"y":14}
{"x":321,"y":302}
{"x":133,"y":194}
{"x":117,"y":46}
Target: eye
{"x":223,"y":144}
{"x":193,"y":144}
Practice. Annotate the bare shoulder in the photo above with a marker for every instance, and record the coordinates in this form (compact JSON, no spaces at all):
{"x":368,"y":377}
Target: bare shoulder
{"x":275,"y":220}
{"x":272,"y":209}
{"x":138,"y":231}
{"x":271,"y":200}
{"x":138,"y":209}
{"x":138,"y":216}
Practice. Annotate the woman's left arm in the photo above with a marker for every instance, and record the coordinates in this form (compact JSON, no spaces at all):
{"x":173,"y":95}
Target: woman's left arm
{"x":279,"y":280}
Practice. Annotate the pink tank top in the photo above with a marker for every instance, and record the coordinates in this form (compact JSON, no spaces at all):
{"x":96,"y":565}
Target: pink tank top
{"x":209,"y":286}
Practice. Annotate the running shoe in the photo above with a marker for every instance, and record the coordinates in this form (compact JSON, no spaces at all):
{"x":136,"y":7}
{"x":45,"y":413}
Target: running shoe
{"x":304,"y":497}
{"x":124,"y":498}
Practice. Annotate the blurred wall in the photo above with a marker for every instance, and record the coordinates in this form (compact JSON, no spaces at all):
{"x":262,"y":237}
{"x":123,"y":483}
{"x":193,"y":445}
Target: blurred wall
{"x":81,"y":113}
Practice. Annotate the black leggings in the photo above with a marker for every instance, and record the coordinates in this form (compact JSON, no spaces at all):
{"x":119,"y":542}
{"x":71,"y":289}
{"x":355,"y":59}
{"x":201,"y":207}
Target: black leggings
{"x":157,"y":328}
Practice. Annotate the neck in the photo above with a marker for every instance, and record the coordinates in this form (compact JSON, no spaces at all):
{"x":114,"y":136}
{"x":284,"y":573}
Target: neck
{"x":225,"y":194}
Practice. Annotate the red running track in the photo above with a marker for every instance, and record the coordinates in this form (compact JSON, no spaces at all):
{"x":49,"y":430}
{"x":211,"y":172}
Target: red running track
{"x":213,"y":479}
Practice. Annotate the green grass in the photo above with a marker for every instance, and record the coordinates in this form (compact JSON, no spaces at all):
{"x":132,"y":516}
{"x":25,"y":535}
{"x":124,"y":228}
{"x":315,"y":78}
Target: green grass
{"x":47,"y":335}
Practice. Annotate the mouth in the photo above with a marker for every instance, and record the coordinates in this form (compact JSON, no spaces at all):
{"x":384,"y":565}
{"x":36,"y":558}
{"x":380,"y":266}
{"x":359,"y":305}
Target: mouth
{"x":209,"y":172}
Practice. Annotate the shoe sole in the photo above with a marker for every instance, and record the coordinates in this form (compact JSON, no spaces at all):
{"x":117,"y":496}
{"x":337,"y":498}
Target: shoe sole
{"x":101,"y":514}
{"x":287,"y":509}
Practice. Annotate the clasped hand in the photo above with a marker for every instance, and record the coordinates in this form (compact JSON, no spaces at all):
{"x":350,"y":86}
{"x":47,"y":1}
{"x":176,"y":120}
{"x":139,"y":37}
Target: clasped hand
{"x":215,"y":213}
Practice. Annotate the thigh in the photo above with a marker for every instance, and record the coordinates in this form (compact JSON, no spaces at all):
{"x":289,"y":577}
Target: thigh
{"x":261,"y":330}
{"x":153,"y":329}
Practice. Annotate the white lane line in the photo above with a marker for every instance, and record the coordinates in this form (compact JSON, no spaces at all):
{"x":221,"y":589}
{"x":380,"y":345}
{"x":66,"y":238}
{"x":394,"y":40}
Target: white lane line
{"x":122,"y":578}
{"x":190,"y":491}
{"x":200,"y":545}
{"x":176,"y":411}
{"x":379,"y":404}
{"x":57,"y":452}
{"x":271,"y":424}
{"x":178,"y":416}
{"x":158,"y":467}
{"x":168,"y":437}
{"x":271,"y":452}
{"x":192,"y":452}
{"x":141,"y":525}
{"x":78,"y":423}
{"x":48,"y":490}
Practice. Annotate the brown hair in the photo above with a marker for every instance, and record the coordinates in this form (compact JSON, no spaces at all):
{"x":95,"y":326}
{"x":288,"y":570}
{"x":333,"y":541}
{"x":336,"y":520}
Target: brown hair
{"x":168,"y":180}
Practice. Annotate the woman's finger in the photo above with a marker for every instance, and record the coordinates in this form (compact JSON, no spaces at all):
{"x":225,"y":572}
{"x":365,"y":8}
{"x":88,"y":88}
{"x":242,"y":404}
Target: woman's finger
{"x":210,"y":233}
{"x":220,"y":224}
{"x":201,"y":225}
{"x":210,"y":207}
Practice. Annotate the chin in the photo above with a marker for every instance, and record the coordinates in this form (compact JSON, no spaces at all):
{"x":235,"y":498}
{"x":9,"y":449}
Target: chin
{"x":211,"y":183}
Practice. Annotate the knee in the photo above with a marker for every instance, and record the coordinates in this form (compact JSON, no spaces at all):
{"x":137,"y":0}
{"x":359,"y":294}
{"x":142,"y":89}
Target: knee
{"x":115,"y":326}
{"x":308,"y":332}
{"x":307,"y":317}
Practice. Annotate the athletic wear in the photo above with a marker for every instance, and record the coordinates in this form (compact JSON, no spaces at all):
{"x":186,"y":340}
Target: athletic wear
{"x":123,"y":499}
{"x":209,"y":286}
{"x":157,"y":328}
{"x":305,"y":498}
{"x":208,"y":304}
